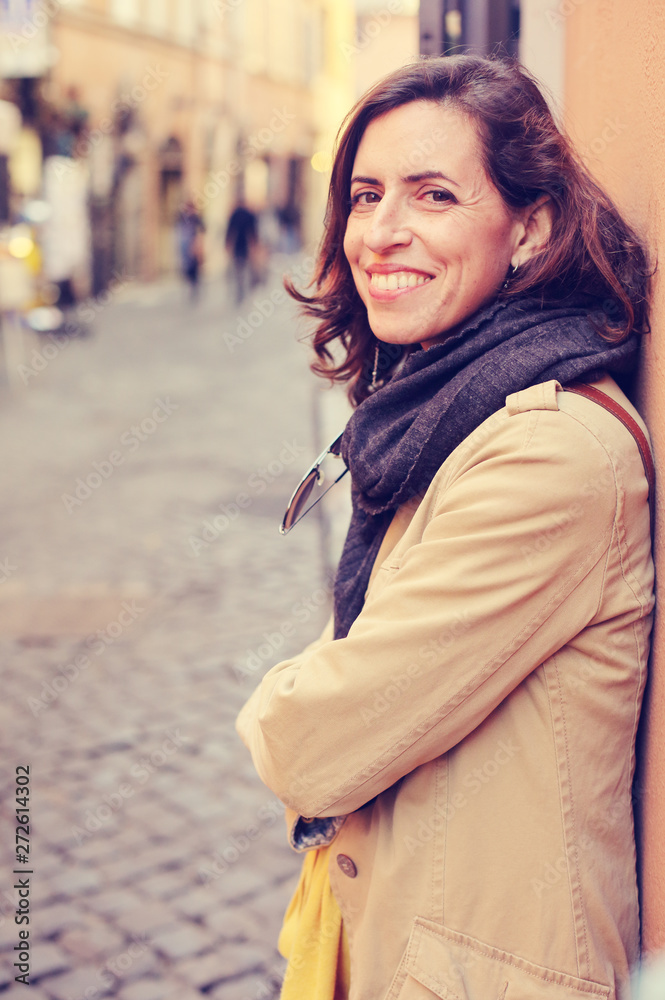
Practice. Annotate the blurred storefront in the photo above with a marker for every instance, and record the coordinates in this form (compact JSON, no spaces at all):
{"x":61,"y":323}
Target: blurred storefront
{"x":165,"y":100}
{"x":24,"y":60}
{"x":201,"y":99}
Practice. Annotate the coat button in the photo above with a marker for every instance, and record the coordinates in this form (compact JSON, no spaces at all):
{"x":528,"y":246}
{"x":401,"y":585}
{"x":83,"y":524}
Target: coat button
{"x":347,"y":865}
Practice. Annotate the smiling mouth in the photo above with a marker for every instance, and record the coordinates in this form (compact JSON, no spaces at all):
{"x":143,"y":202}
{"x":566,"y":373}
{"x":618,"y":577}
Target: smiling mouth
{"x":396,"y":280}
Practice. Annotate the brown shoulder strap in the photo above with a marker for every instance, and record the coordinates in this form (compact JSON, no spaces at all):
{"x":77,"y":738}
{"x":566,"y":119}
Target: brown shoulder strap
{"x":598,"y":396}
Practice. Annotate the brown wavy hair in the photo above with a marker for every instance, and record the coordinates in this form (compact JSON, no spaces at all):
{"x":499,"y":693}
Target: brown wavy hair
{"x":591,"y":247}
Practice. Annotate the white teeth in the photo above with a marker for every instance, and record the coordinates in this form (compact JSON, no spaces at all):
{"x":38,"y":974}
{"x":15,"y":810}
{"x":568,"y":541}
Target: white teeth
{"x":398,"y":279}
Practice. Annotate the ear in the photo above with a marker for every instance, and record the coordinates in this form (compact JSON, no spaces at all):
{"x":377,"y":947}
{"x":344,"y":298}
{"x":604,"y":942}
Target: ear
{"x":537,"y":220}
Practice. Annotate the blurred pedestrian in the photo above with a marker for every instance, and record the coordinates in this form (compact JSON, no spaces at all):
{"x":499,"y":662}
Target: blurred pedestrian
{"x":66,"y":242}
{"x":241,"y":242}
{"x":289,"y":220}
{"x":190,"y":229}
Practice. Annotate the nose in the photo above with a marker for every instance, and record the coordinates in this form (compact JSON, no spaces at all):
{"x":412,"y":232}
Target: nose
{"x":387,"y":226}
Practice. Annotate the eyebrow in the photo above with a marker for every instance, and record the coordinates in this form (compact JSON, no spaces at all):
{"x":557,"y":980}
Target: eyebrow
{"x":409,"y":179}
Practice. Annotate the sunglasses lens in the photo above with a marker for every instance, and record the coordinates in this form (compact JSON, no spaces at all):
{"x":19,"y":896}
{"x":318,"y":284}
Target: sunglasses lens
{"x":298,"y":504}
{"x":299,"y":499}
{"x":336,"y":446}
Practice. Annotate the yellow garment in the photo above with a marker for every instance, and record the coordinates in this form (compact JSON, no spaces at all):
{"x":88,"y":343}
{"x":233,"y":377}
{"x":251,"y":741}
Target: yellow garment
{"x":313,"y":938}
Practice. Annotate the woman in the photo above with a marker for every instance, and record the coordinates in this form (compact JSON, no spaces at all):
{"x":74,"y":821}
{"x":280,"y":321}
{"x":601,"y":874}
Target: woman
{"x":190,"y":229}
{"x":456,"y":752}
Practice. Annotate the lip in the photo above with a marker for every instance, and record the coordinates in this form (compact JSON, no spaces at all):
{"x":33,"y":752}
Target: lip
{"x":389,"y":295}
{"x":392,"y":268}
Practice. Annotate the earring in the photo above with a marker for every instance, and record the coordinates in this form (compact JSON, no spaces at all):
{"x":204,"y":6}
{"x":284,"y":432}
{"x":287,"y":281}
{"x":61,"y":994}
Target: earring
{"x":376,"y":366}
{"x":511,"y":274}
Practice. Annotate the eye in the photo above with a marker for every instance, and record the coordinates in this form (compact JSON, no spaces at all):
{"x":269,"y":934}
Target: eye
{"x":439,"y":196}
{"x":365,"y":199}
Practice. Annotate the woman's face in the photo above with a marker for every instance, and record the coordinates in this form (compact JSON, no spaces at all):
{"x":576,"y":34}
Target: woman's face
{"x":429,"y":238}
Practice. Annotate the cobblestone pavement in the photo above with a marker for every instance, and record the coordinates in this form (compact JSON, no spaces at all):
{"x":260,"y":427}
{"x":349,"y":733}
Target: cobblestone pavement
{"x":144,"y":589}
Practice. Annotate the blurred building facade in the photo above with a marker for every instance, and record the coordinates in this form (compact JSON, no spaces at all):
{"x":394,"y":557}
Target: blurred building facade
{"x":207,"y":99}
{"x":386,"y":37}
{"x":163,"y":100}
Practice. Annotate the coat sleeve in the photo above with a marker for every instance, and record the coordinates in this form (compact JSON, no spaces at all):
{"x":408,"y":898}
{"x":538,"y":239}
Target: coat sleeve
{"x":508,"y":569}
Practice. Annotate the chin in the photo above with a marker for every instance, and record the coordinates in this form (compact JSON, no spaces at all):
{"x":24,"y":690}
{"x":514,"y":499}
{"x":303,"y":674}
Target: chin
{"x":394,"y":332}
{"x":395,"y":336}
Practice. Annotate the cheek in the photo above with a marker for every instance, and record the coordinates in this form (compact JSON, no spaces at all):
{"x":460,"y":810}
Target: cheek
{"x":502,"y":236}
{"x":350,"y":245}
{"x":489,"y":255}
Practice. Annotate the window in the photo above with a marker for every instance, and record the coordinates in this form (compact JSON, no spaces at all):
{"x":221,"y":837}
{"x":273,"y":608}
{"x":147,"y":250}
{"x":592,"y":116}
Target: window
{"x":256,"y":35}
{"x":125,"y":11}
{"x":157,"y":16}
{"x":186,"y":21}
{"x":283,"y":39}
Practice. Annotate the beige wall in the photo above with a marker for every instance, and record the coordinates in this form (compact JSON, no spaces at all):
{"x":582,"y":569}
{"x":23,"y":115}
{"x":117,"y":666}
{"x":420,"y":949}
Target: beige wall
{"x":615,"y":105}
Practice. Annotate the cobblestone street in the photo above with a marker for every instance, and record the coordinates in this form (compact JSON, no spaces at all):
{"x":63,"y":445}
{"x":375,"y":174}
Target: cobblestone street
{"x":144,"y":589}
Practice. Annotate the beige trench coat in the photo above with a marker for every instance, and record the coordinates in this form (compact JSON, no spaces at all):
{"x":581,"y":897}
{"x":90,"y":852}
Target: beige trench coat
{"x":477,"y":726}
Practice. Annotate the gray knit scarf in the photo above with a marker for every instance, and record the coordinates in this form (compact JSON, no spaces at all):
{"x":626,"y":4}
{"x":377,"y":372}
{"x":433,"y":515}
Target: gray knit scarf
{"x":397,"y":439}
